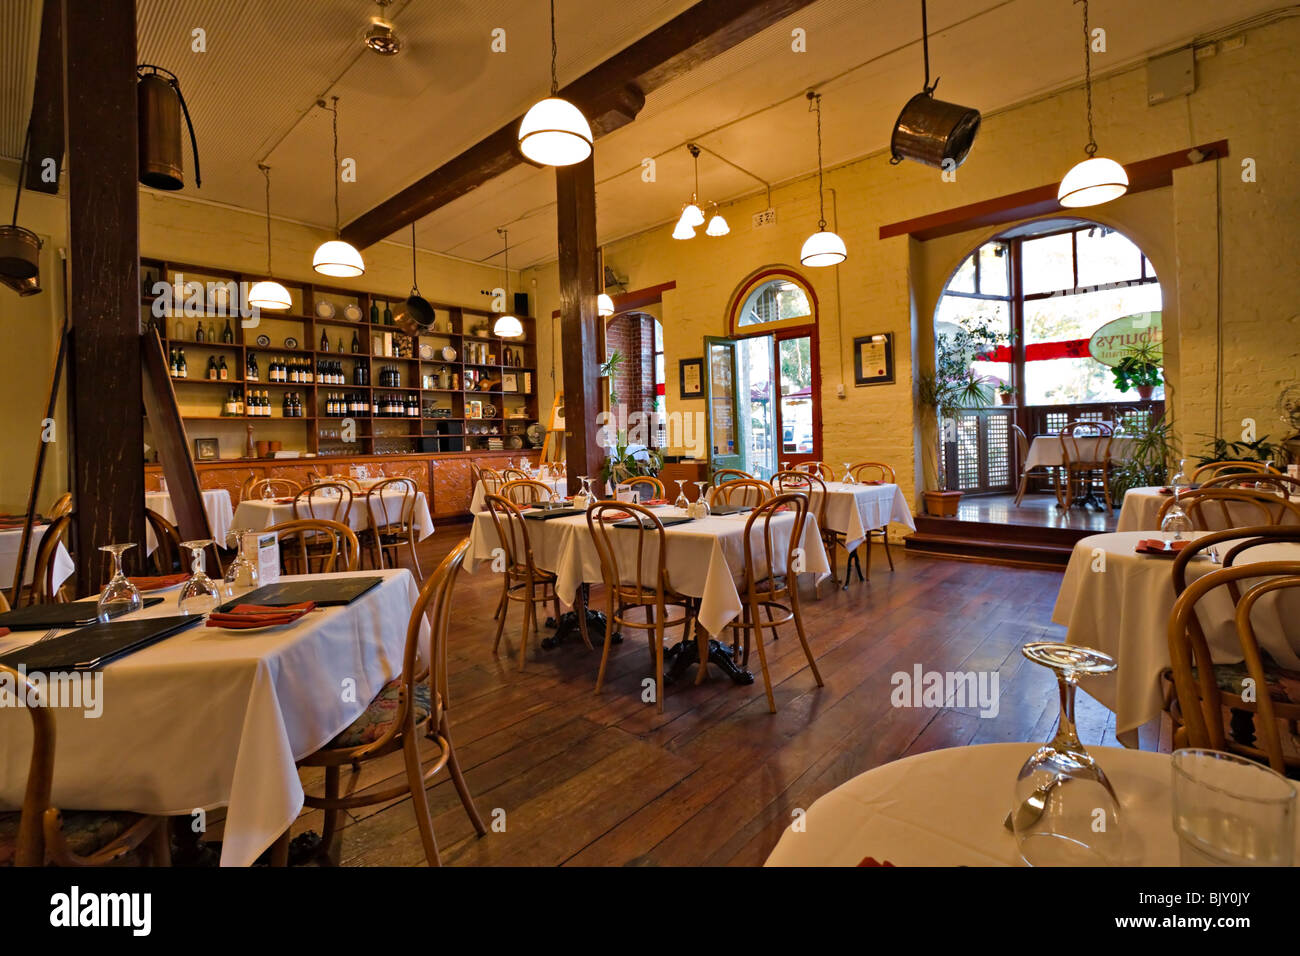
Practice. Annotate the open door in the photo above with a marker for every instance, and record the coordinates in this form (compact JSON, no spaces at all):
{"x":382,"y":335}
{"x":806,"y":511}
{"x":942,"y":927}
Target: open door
{"x":720,"y":357}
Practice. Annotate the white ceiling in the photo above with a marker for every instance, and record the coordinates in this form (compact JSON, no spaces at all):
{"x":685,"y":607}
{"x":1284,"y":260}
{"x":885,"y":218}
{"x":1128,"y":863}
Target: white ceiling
{"x":267,"y":62}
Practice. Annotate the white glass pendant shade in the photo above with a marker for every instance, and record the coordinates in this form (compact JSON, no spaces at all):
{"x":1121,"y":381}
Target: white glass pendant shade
{"x":269,"y":294}
{"x":1094,"y":181}
{"x":604,"y":305}
{"x":717,"y":226}
{"x":507,"y":327}
{"x":823,"y":249}
{"x":682,"y":230}
{"x":692,"y":215}
{"x":555,"y":133}
{"x":338,"y":258}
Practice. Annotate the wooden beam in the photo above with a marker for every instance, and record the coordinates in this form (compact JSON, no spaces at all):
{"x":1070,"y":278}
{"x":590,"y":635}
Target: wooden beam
{"x":575,"y":193}
{"x":1145,"y":174}
{"x":107,"y":423}
{"x":637,"y":298}
{"x":47,"y":101}
{"x":610,"y":96}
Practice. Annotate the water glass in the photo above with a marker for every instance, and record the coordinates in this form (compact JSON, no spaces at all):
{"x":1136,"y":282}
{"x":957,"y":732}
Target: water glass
{"x":120,"y":596}
{"x":1229,"y":811}
{"x":199,"y":594}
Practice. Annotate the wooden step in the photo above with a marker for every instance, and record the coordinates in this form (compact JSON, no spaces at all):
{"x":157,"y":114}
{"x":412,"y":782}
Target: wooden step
{"x":1010,"y":552}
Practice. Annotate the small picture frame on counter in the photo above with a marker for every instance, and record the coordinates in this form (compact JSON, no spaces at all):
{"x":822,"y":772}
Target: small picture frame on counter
{"x":206,"y":449}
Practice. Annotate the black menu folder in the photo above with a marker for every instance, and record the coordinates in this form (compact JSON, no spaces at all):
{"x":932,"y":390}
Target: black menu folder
{"x":42,"y":617}
{"x":332,"y":592}
{"x":546,"y":514}
{"x":666,"y":522}
{"x":90,"y":648}
{"x":721,"y":509}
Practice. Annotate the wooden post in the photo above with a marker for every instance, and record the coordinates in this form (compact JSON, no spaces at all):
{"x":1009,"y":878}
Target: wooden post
{"x":106,"y":415}
{"x":575,"y":193}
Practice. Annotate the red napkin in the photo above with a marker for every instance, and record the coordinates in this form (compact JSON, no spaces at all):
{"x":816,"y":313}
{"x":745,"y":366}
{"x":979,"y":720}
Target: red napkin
{"x":872,"y":483}
{"x":284,"y":501}
{"x":3,"y":631}
{"x":1166,"y":491}
{"x":655,"y":501}
{"x":1157,"y":546}
{"x":158,"y":582}
{"x":615,"y":515}
{"x":872,"y":861}
{"x":258,"y":615}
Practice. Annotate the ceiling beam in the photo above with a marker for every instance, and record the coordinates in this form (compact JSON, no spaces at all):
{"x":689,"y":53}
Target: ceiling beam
{"x":610,"y":96}
{"x":47,"y":102}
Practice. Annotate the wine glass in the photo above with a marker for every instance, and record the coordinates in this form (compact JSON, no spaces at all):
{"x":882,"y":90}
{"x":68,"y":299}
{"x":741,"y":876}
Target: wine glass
{"x":199,"y":595}
{"x":267,"y":492}
{"x":243,"y":572}
{"x":586,"y":485}
{"x":120,"y":596}
{"x":1175,"y":523}
{"x":580,"y":500}
{"x":785,"y":466}
{"x":1179,"y":478}
{"x":848,"y":475}
{"x":1066,"y":812}
{"x":702,"y":502}
{"x":682,"y":501}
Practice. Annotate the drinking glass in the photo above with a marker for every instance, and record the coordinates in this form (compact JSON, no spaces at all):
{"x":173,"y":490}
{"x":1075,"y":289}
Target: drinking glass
{"x":785,"y":466}
{"x":848,"y":475}
{"x":1066,"y":812}
{"x":702,"y":502}
{"x":243,"y":574}
{"x":120,"y":596}
{"x":267,"y":493}
{"x":1229,"y":811}
{"x":1175,"y":523}
{"x":581,"y":499}
{"x":198,"y":595}
{"x":682,"y":501}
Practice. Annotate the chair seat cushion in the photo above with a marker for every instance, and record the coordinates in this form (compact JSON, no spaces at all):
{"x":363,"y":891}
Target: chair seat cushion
{"x":86,"y":832}
{"x":375,"y":721}
{"x":1282,"y":685}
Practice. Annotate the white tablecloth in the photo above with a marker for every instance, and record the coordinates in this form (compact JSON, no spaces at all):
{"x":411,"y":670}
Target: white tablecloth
{"x":216,"y":504}
{"x":210,"y":718}
{"x":1124,"y":611}
{"x":11,"y":540}
{"x":255,"y":514}
{"x":856,"y":509}
{"x":946,"y":807}
{"x":1046,"y":450}
{"x":1141,"y":511}
{"x":479,"y":501}
{"x":704,"y":556}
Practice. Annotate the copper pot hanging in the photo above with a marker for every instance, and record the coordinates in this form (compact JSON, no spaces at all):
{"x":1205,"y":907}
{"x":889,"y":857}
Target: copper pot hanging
{"x":20,"y":249}
{"x":160,"y":107}
{"x":933,"y":132}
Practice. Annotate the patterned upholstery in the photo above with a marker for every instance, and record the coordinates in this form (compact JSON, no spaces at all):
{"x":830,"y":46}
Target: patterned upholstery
{"x":381,"y":713}
{"x":86,"y":831}
{"x":1283,"y":685}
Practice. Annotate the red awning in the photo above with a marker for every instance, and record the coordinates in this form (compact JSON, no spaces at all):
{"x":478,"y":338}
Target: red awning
{"x":1041,"y":351}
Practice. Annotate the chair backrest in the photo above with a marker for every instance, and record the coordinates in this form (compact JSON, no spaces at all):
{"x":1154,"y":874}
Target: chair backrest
{"x":475,"y":474}
{"x":44,"y":590}
{"x":1022,"y":443}
{"x":513,"y":474}
{"x":330,"y":500}
{"x":723,"y":475}
{"x":1236,"y":541}
{"x":650,"y":482}
{"x":806,"y":483}
{"x":1097,"y":436}
{"x":166,"y":557}
{"x":743,"y":491}
{"x":317,"y":546}
{"x":270,"y":488}
{"x":1272,"y":482}
{"x":62,"y":506}
{"x":30,"y":847}
{"x":630,"y":579}
{"x":1216,"y":509}
{"x":869,"y":471}
{"x":492,"y":481}
{"x":1213,"y":469}
{"x":390,"y":504}
{"x":761,"y":565}
{"x":512,"y":534}
{"x":526,"y":491}
{"x":819,"y":468}
{"x":1199,"y":697}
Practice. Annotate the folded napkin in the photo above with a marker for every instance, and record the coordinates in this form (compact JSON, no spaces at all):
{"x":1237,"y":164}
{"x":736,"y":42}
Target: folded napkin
{"x":872,"y":483}
{"x":872,"y":861}
{"x":655,"y":501}
{"x":284,"y":501}
{"x":158,"y":582}
{"x":615,"y":515}
{"x":3,"y":631}
{"x":258,"y":615}
{"x":1165,"y":491}
{"x":1157,"y":546}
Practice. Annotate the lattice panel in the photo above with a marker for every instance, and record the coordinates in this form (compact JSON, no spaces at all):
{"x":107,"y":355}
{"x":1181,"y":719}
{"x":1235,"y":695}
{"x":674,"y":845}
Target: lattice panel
{"x":997,"y":451}
{"x":1055,"y":421}
{"x":968,"y":452}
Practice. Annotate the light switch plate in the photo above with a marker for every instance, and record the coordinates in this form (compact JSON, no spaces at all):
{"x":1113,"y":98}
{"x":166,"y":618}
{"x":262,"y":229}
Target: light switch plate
{"x":839,"y":390}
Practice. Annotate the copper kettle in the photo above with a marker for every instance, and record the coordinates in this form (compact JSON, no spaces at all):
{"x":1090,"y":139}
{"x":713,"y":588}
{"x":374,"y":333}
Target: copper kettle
{"x":160,"y":105}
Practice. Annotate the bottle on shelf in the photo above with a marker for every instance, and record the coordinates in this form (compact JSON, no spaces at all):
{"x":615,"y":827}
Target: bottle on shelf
{"x":388,"y":313}
{"x":324,"y":341}
{"x":212,"y":368}
{"x":251,"y":371}
{"x":174,"y":363}
{"x":356,"y":340}
{"x":198,"y":333}
{"x":374,"y":320}
{"x":223,"y":370}
{"x":183,"y":369}
{"x":340,"y":348}
{"x":227,"y":334}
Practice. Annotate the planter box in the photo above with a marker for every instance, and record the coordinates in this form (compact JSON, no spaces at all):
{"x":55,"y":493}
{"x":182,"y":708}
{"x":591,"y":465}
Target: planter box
{"x":942,"y":504}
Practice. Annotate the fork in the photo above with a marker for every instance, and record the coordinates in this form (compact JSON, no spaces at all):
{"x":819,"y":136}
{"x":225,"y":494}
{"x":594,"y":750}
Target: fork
{"x":44,"y":637}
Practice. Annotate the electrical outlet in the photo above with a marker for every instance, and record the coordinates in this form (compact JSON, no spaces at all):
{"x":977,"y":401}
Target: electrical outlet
{"x":765,"y":218}
{"x":839,"y":390}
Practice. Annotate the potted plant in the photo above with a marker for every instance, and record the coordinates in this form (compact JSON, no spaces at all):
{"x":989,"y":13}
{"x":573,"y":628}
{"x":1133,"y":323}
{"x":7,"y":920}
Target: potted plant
{"x":1140,"y":369}
{"x":628,"y":461}
{"x":945,"y":393}
{"x":1152,"y":455}
{"x":1006,"y":393}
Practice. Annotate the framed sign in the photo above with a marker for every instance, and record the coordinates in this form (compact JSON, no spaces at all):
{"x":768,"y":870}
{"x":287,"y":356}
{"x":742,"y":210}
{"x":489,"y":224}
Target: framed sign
{"x":205,"y":449}
{"x":873,"y":359}
{"x":691,"y":377}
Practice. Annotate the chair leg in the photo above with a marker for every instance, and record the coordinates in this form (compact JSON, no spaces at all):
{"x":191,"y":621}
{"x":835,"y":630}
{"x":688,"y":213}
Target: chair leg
{"x":1024,"y":486}
{"x":803,"y":639}
{"x":868,"y":563}
{"x":762,"y":660}
{"x":884,"y":536}
{"x":458,"y":780}
{"x":701,"y":641}
{"x":504,"y":611}
{"x":501,"y":604}
{"x":280,"y":849}
{"x":609,"y":639}
{"x":659,"y":659}
{"x":160,"y":843}
{"x":523,"y":634}
{"x":332,"y":817}
{"x":419,"y":798}
{"x":415,"y":558}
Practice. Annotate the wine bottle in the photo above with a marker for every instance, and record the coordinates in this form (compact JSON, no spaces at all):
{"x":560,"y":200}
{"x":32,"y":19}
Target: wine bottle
{"x":198,"y":333}
{"x":223,"y":371}
{"x":174,"y":363}
{"x":356,"y":341}
{"x":184,"y":367}
{"x":227,"y":334}
{"x":388,"y":313}
{"x":340,"y":348}
{"x":212,"y":333}
{"x":374,"y":319}
{"x":212,"y":368}
{"x":324,"y":341}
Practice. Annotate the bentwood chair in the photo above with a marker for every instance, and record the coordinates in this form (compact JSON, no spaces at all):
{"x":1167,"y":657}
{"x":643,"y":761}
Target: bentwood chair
{"x":43,"y":589}
{"x":407,"y":711}
{"x":723,"y":475}
{"x":522,"y":580}
{"x":526,"y":491}
{"x":42,"y":835}
{"x":317,"y":546}
{"x":1257,"y":686}
{"x":772,"y":591}
{"x":514,"y":474}
{"x":633,"y":566}
{"x":808,"y":484}
{"x":492,"y":481}
{"x":875,"y":473}
{"x":1216,"y":508}
{"x":167,"y":557}
{"x":1022,"y":446}
{"x":270,"y":488}
{"x":1284,"y":486}
{"x":1215,"y":469}
{"x":743,"y":491}
{"x":644,"y":485}
{"x":324,"y":500}
{"x":390,"y":508}
{"x":819,"y":468}
{"x":62,"y":506}
{"x":1085,"y":459}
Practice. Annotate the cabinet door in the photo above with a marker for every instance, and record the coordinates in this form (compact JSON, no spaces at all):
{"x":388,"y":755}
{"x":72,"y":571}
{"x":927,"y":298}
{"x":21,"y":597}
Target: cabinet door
{"x":452,"y":487}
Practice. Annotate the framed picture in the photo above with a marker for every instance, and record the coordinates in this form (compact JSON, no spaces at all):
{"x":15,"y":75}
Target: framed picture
{"x":691,"y":377}
{"x":475,"y":410}
{"x":873,"y":359}
{"x":509,"y":382}
{"x":206,"y":449}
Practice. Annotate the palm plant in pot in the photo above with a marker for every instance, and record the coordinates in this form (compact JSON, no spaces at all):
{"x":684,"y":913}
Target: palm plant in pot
{"x":1140,"y":369}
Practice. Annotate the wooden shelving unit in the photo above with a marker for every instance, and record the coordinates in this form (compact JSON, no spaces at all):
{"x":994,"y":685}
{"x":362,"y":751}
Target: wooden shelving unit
{"x":447,"y":421}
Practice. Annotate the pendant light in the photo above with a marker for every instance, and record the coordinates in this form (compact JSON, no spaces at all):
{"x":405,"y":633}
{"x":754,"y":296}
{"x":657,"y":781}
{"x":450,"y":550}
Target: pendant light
{"x":822,"y":248}
{"x":604,"y":305}
{"x":717,"y":225}
{"x":554,"y":132}
{"x":268,"y":294}
{"x":1097,"y":179}
{"x":336,"y":257}
{"x":692,"y":216}
{"x":506,"y":325}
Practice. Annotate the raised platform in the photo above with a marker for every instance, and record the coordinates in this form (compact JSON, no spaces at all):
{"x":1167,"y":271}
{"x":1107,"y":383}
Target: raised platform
{"x":993,"y":528}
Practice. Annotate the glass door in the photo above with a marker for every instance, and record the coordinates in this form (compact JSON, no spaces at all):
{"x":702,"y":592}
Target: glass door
{"x":721,"y":402}
{"x":797,"y":419}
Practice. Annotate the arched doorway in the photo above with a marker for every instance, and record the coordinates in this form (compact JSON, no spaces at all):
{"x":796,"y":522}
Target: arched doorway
{"x":637,"y":337}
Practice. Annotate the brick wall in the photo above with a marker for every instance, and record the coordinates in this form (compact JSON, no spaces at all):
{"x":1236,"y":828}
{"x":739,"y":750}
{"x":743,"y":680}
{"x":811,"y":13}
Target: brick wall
{"x":632,"y":335}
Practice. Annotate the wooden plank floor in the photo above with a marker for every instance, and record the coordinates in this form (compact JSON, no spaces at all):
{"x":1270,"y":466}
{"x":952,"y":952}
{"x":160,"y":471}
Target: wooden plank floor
{"x":573,"y":778}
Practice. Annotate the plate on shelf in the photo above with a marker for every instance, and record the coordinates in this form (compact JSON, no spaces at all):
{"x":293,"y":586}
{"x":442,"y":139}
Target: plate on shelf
{"x":515,"y":442}
{"x":449,"y":354}
{"x":264,"y":341}
{"x":489,"y":411}
{"x":290,"y":342}
{"x":325,"y":309}
{"x":426,"y":352}
{"x":352,"y":312}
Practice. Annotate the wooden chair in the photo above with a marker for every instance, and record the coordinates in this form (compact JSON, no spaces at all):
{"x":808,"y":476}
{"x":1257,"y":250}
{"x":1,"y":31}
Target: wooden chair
{"x":317,"y":546}
{"x":1283,"y":486}
{"x":167,"y":557}
{"x":390,"y":511}
{"x":723,"y":475}
{"x":819,"y":468}
{"x":270,"y":488}
{"x":1216,"y":508}
{"x":873,"y":472}
{"x":1022,"y":446}
{"x":775,"y":593}
{"x":354,"y":484}
{"x":406,"y":711}
{"x":323,"y":501}
{"x":1204,"y":689}
{"x":514,"y":474}
{"x":639,"y":582}
{"x":43,"y":589}
{"x":492,"y":480}
{"x":1215,"y":469}
{"x":811,"y":485}
{"x":523,"y":581}
{"x":526,"y":491}
{"x":62,"y":506}
{"x":41,"y":835}
{"x":743,"y":491}
{"x":653,"y":484}
{"x":1084,"y":464}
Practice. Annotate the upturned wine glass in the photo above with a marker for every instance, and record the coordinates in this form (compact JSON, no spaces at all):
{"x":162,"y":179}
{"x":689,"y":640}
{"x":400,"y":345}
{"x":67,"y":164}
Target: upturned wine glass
{"x":199,"y":594}
{"x":848,"y":475}
{"x":1175,"y":523}
{"x":1066,"y":812}
{"x":1179,"y":478}
{"x":702,"y":502}
{"x":682,"y":501}
{"x":120,"y":596}
{"x":242,"y":574}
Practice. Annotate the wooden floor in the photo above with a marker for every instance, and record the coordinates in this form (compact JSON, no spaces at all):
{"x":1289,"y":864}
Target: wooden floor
{"x":573,"y":778}
{"x":1038,"y":510}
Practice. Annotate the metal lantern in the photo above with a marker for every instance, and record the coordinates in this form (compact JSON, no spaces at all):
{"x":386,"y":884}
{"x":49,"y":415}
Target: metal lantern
{"x":20,"y":248}
{"x":160,"y":107}
{"x":933,"y":132}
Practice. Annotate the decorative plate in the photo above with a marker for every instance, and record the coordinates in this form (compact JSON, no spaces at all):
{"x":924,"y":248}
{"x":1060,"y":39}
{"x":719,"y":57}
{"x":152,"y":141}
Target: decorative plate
{"x":426,"y":352}
{"x":489,"y":411}
{"x":325,"y":309}
{"x":535,"y":433}
{"x":516,"y":442}
{"x":264,"y":341}
{"x":290,"y":342}
{"x":352,"y":312}
{"x":449,"y":353}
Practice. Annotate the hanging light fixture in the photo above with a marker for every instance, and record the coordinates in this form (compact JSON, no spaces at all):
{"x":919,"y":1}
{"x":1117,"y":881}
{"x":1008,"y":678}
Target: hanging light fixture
{"x":717,"y":225}
{"x":554,"y":132}
{"x":268,"y":294}
{"x":822,"y":248}
{"x":682,"y":230}
{"x":1097,"y":179}
{"x":604,"y":305}
{"x":336,"y":257}
{"x":507,"y":326}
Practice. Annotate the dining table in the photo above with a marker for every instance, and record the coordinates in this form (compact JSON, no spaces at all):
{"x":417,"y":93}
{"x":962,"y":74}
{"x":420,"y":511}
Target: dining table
{"x":1140,"y":510}
{"x":216,"y":505}
{"x":858,"y":508}
{"x":257,"y":514}
{"x":946,"y":808}
{"x":478,"y":501}
{"x":11,"y":541}
{"x":210,"y":718}
{"x":1118,"y":601}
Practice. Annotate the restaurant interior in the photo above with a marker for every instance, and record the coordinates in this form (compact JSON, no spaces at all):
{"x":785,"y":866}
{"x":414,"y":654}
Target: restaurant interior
{"x":668,"y":433}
